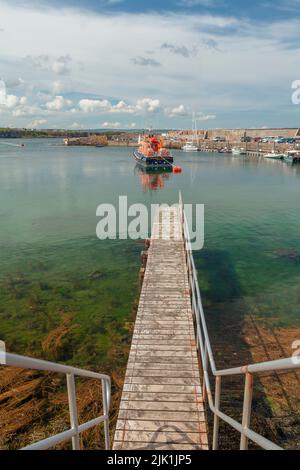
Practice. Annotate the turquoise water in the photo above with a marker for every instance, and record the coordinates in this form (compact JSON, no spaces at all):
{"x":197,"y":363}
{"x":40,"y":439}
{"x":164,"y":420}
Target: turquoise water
{"x":53,"y":269}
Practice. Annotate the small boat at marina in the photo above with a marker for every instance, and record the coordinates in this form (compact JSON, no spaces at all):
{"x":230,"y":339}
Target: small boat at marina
{"x":238,"y":151}
{"x":152,"y":153}
{"x":190,"y":147}
{"x":292,"y":156}
{"x":274,"y":156}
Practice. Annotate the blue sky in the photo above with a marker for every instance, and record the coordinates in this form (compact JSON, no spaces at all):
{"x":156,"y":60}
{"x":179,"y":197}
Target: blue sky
{"x":134,"y":64}
{"x":258,"y":10}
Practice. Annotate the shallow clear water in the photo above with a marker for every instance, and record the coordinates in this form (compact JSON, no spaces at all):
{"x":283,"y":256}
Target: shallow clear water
{"x":53,"y":266}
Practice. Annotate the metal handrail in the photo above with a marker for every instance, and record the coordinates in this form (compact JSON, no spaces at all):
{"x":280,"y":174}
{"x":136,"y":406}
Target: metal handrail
{"x":74,"y":432}
{"x":207,"y":361}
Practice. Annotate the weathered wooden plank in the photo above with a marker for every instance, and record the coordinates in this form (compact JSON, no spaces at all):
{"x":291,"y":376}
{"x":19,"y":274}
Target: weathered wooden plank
{"x":191,"y":416}
{"x":190,"y":406}
{"x":164,"y":381}
{"x":162,"y":436}
{"x":195,"y":389}
{"x":164,"y":397}
{"x":162,"y":342}
{"x":162,"y":347}
{"x":138,"y":425}
{"x":167,"y":366}
{"x":162,"y":405}
{"x":162,"y":360}
{"x":160,"y":373}
{"x":157,"y":446}
{"x":162,"y":337}
{"x":162,"y":354}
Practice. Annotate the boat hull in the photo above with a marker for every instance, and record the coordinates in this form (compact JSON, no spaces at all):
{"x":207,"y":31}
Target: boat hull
{"x":159,"y":170}
{"x":238,"y":152}
{"x":153,"y":162}
{"x":190,"y":149}
{"x":274,"y":156}
{"x":292,"y":159}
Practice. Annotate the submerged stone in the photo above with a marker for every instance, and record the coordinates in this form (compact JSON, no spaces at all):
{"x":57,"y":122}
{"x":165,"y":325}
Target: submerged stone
{"x":96,"y":276}
{"x":292,"y":255}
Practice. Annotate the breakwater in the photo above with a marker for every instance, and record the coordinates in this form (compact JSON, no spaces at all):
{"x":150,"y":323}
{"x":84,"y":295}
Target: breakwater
{"x":233,"y":135}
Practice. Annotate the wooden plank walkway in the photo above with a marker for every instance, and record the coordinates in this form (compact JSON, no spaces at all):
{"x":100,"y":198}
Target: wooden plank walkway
{"x":162,"y":406}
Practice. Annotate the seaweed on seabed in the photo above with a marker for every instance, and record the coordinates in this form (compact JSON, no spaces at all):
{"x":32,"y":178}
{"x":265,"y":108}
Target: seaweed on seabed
{"x":23,"y":406}
{"x":16,"y":285}
{"x":57,"y":344}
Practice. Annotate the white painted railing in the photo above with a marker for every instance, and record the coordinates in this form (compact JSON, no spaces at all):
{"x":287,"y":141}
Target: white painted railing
{"x":71,"y":372}
{"x":209,"y":366}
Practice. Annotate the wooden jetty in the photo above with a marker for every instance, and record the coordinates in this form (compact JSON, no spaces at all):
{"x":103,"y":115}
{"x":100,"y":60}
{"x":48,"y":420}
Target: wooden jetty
{"x":162,"y":404}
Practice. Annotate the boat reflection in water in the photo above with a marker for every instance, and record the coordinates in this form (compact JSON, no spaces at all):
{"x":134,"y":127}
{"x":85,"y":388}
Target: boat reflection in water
{"x":153,"y":179}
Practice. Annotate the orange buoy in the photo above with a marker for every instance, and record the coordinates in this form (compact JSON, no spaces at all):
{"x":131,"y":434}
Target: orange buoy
{"x":177,"y":169}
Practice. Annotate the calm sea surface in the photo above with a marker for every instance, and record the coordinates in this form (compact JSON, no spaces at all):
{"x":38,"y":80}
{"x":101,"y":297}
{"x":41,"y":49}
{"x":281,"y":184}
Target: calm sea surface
{"x":54,"y":271}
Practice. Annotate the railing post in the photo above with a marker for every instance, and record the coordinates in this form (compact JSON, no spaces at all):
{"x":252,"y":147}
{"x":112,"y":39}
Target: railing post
{"x":204,"y":363}
{"x":105,"y":392}
{"x":216,"y":418}
{"x":248,"y":395}
{"x":73,"y":410}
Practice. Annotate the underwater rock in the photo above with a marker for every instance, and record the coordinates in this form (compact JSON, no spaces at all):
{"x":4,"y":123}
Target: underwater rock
{"x":292,"y":255}
{"x":96,"y":276}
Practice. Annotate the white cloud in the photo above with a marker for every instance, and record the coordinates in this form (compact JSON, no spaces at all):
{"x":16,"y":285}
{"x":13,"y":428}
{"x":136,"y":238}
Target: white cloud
{"x":91,"y":106}
{"x":20,"y":112}
{"x":180,"y":110}
{"x":58,"y":104}
{"x":7,"y":101}
{"x":147,"y":105}
{"x":14,"y":83}
{"x":59,"y":65}
{"x":57,"y":86}
{"x":205,"y":117}
{"x":27,"y":110}
{"x":118,"y":125}
{"x":36,"y":123}
{"x":76,"y":125}
{"x":122,"y":107}
{"x":23,"y":100}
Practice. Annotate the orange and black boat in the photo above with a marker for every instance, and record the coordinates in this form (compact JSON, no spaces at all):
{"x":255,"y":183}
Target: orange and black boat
{"x":152,"y":153}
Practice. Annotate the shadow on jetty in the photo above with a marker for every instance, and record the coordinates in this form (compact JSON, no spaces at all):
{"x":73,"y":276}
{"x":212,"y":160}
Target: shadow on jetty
{"x":226,"y":312}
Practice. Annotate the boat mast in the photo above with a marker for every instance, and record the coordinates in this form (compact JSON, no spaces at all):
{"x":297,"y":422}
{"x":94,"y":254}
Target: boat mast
{"x":195,"y":130}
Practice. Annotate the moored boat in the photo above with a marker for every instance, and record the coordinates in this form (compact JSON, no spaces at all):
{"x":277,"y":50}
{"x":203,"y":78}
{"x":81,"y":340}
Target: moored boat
{"x":238,"y":151}
{"x":275,"y":156}
{"x":190,"y":147}
{"x":224,"y":150}
{"x":292,"y":156}
{"x":152,"y":153}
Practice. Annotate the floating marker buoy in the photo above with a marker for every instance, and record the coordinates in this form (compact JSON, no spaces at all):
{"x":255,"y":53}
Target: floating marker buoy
{"x":177,"y":169}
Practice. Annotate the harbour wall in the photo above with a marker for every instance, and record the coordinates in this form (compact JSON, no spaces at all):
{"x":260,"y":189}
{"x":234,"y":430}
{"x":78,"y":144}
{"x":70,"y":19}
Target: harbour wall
{"x":237,"y":134}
